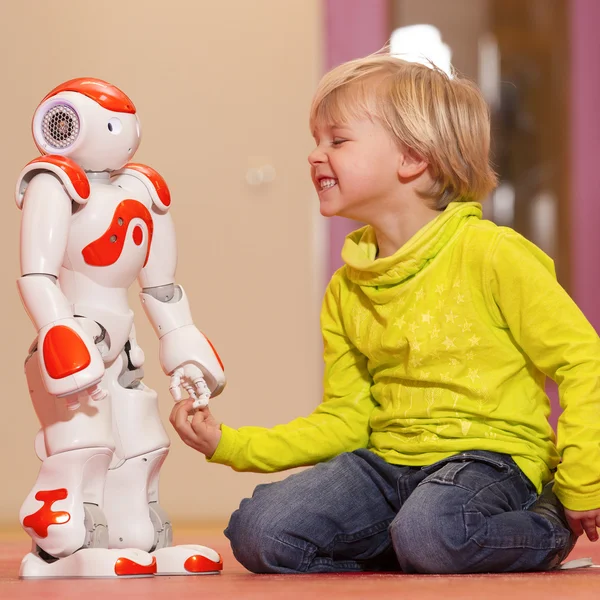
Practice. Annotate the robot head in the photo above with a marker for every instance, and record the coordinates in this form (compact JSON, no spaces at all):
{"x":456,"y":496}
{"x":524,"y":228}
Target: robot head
{"x":89,"y":121}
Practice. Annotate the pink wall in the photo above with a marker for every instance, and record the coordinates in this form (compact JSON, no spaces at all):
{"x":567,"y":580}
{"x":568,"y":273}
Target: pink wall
{"x":585,"y":156}
{"x":353,"y":28}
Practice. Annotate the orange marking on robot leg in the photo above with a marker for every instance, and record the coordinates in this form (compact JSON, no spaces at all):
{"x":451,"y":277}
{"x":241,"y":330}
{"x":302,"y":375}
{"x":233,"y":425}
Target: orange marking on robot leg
{"x":105,"y":94}
{"x":125,"y":566}
{"x":201,"y":564}
{"x":64,"y":352}
{"x":74,"y":172}
{"x":107,"y":249}
{"x":160,"y":185}
{"x":42,"y":519}
{"x":215,"y":351}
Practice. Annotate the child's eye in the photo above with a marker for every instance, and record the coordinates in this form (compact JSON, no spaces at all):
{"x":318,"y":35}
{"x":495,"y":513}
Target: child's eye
{"x":338,"y":141}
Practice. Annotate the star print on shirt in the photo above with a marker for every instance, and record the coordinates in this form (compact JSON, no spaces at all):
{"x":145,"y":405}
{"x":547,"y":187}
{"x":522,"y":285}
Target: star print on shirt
{"x":474,"y":341}
{"x":473,"y":375}
{"x":415,"y":361}
{"x":451,"y":317}
{"x":400,"y":322}
{"x":449,"y":343}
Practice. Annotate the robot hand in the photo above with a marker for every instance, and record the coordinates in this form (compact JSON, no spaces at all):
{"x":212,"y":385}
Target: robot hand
{"x":191,"y":378}
{"x":94,"y":393}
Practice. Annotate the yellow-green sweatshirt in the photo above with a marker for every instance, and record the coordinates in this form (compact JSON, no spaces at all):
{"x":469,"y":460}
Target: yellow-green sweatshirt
{"x":442,"y":348}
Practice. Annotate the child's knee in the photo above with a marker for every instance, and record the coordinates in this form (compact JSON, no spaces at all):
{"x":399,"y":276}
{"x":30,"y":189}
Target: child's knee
{"x":427,"y":538}
{"x":247,"y":524}
{"x":256,"y":540}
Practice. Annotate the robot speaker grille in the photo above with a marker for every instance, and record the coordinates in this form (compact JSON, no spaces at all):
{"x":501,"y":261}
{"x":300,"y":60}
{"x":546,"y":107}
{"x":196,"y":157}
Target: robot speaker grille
{"x":60,"y":126}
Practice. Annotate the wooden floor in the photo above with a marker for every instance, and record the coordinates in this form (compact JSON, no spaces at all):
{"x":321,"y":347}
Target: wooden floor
{"x":236,"y":582}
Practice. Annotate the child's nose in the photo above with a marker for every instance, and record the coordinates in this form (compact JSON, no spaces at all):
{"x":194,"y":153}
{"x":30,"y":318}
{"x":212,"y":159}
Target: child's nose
{"x":317,"y":156}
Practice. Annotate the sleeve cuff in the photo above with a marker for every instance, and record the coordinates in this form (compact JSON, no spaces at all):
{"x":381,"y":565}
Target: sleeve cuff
{"x":226,"y":448}
{"x":577,"y":502}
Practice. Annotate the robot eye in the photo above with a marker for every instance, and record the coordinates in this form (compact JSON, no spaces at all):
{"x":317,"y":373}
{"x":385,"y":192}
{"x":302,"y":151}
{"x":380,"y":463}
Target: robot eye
{"x":115,"y":126}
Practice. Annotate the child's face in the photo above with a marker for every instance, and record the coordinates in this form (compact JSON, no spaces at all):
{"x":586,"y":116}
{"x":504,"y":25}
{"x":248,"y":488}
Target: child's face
{"x":354,"y":168}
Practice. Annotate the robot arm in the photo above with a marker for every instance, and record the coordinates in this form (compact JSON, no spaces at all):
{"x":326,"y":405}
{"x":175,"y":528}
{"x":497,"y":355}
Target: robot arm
{"x":168,"y":310}
{"x":185,"y":353}
{"x":69,"y":360}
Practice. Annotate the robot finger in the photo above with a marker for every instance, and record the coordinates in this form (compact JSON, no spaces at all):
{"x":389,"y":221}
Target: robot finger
{"x":202,"y":392}
{"x":189,"y":388}
{"x":202,"y":388}
{"x":175,"y":392}
{"x":175,"y":388}
{"x":97,"y":393}
{"x":201,"y":402}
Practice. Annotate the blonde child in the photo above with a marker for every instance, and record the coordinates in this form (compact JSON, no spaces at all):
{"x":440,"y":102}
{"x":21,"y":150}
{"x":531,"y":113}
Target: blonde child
{"x":432,"y":447}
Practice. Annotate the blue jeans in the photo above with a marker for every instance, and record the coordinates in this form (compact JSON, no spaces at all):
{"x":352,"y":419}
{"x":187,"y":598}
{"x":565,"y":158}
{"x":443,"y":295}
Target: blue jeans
{"x":464,"y":514}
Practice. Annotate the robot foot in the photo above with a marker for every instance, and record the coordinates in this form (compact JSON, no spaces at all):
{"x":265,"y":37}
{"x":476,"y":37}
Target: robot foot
{"x":187,"y":560}
{"x":88,"y":563}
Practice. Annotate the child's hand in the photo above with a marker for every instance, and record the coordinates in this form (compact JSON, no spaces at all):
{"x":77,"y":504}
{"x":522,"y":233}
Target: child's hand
{"x":586,"y":520}
{"x":202,"y":432}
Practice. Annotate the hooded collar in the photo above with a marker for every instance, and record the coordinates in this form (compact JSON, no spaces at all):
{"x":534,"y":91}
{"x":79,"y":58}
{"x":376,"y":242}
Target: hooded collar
{"x":360,"y":248}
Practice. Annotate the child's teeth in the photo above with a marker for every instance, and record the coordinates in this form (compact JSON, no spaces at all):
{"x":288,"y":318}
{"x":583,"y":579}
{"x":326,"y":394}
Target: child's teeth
{"x":327,"y":183}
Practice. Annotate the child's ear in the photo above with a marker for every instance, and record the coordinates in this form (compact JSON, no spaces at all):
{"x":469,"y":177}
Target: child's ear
{"x":411,"y":165}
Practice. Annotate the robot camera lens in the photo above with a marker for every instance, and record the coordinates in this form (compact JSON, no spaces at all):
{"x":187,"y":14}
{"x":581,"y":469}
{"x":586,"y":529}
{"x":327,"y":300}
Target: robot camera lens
{"x":115,"y":126}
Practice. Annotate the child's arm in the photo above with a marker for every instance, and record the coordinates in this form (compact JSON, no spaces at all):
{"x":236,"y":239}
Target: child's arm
{"x":524,"y":296}
{"x":339,"y":424}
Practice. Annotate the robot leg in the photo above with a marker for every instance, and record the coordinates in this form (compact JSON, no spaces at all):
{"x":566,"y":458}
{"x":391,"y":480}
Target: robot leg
{"x":131,"y":501}
{"x":63,"y":511}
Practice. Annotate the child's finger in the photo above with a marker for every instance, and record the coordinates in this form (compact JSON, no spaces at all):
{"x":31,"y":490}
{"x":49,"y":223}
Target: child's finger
{"x":589,"y":524}
{"x":199,"y":420}
{"x":180,"y":421}
{"x":181,"y":405}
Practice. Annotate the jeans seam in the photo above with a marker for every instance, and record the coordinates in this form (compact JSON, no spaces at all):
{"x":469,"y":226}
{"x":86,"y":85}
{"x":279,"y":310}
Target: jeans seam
{"x":553,"y":548}
{"x":361,"y":534}
{"x":472,"y":456}
{"x":325,"y":560}
{"x":308,"y":550}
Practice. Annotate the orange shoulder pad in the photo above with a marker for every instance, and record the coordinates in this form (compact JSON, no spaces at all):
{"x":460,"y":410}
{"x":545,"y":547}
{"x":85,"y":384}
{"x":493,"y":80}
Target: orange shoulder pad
{"x":71,"y":175}
{"x":156,"y":185}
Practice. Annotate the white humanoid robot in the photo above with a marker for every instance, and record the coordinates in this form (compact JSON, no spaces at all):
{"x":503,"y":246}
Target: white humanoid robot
{"x":92,"y":222}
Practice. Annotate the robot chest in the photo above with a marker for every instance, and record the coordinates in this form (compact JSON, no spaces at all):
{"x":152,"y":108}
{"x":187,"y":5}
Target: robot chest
{"x":110,"y":238}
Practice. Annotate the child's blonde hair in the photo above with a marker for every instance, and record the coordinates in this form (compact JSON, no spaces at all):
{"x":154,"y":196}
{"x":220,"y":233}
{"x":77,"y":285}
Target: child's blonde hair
{"x":443,"y":120}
